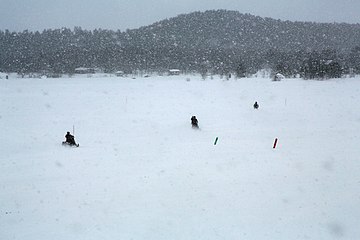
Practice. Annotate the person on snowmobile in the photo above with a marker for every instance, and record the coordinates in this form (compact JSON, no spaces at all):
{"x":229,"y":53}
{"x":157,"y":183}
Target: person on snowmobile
{"x":194,"y":122}
{"x":70,"y":139}
{"x":256,"y":105}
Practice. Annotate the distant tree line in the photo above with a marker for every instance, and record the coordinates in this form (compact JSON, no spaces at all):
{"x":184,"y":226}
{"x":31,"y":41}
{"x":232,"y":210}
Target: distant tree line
{"x":214,"y":42}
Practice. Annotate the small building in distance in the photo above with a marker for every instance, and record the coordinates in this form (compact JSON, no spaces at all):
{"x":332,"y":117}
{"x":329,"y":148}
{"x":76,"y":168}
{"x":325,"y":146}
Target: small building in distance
{"x":119,"y":73}
{"x":174,"y":72}
{"x":84,"y":70}
{"x":278,"y":77}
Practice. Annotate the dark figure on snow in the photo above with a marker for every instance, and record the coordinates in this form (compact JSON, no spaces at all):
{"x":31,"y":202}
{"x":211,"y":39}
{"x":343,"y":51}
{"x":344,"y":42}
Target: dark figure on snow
{"x":256,"y":105}
{"x":194,"y":122}
{"x":70,"y":139}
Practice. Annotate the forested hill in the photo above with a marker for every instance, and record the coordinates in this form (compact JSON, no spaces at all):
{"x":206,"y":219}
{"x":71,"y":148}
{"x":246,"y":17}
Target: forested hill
{"x":231,"y":29}
{"x":217,"y":41}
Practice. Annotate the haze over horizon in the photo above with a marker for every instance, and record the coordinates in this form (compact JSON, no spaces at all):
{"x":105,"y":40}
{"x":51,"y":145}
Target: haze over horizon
{"x":37,"y":15}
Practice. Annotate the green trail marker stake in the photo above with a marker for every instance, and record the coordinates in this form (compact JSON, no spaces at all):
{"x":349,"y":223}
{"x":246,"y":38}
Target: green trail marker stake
{"x":216,"y":139}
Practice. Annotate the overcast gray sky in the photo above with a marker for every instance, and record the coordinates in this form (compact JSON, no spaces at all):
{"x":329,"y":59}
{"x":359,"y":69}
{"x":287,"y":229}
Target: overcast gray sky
{"x":19,"y":15}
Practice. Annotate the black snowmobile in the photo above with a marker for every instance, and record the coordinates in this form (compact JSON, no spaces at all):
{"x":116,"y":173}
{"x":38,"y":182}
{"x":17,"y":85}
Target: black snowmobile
{"x":70,"y":144}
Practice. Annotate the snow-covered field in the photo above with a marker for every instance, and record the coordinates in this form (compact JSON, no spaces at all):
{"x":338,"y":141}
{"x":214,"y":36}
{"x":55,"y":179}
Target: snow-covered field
{"x":142,"y":173}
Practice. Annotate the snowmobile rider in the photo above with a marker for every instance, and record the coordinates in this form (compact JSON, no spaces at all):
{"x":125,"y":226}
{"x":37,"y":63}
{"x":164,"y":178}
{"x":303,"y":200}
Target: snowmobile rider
{"x":194,"y":122}
{"x":70,"y":139}
{"x":256,"y":105}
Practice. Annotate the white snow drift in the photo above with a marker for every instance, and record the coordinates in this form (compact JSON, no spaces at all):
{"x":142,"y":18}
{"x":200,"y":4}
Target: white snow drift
{"x":142,"y":172}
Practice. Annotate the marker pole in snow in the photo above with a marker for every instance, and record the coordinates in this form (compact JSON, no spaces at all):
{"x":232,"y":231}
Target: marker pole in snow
{"x":216,"y":139}
{"x":275,"y":142}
